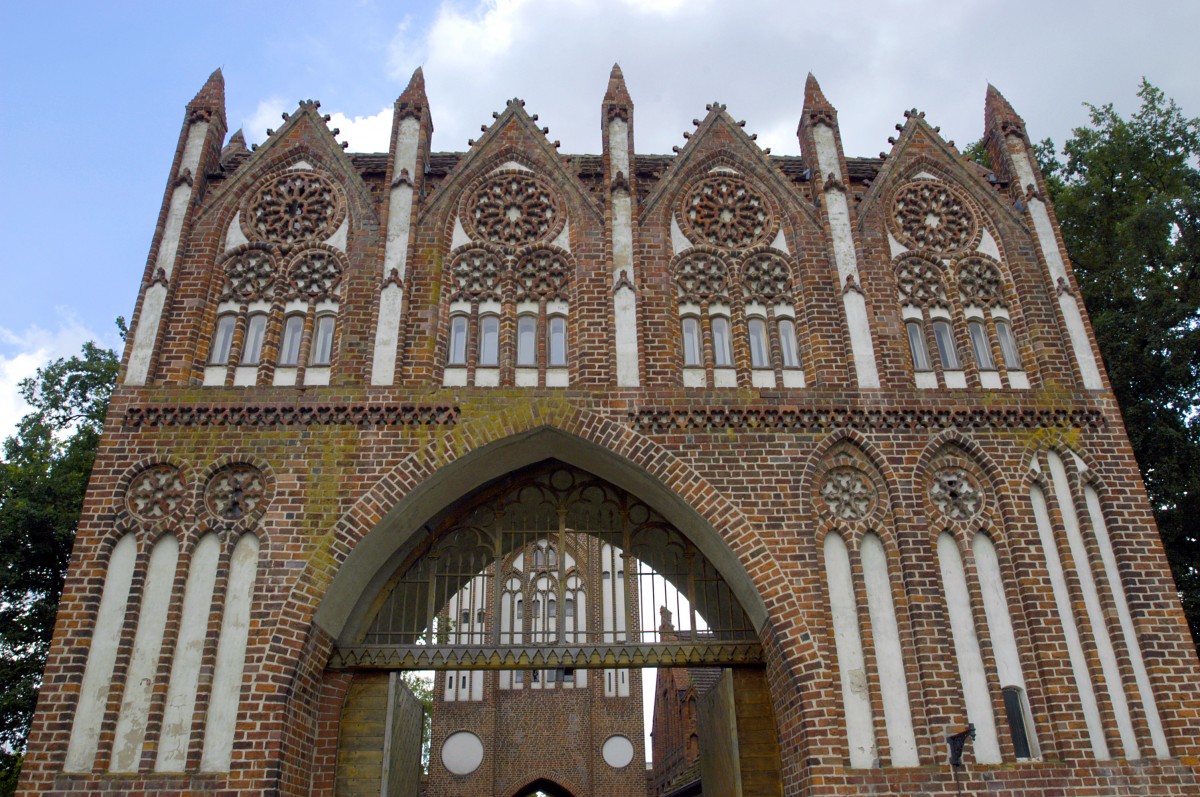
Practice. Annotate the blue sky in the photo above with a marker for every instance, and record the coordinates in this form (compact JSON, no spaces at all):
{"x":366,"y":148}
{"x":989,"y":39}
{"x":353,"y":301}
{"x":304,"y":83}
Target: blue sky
{"x":92,"y":97}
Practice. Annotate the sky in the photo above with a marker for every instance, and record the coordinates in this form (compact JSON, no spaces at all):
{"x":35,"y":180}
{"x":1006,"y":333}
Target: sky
{"x":92,"y":97}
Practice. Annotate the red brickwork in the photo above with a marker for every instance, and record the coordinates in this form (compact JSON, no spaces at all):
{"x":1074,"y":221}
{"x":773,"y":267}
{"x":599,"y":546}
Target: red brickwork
{"x":349,"y":467}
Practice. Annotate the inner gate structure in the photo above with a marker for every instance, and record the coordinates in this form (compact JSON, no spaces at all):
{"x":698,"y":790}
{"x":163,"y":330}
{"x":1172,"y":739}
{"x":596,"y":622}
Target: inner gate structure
{"x":825,"y":439}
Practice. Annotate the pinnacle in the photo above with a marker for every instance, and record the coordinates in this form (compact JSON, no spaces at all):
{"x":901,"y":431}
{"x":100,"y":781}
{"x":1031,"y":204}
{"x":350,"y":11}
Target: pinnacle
{"x":415,"y":91}
{"x":998,"y":111}
{"x":212,"y":95}
{"x":617,"y":94}
{"x":237,"y":143}
{"x":813,"y":97}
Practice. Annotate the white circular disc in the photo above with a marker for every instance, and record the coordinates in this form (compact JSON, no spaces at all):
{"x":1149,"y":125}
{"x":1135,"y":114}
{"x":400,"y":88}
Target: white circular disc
{"x":462,"y":753}
{"x":617,"y":751}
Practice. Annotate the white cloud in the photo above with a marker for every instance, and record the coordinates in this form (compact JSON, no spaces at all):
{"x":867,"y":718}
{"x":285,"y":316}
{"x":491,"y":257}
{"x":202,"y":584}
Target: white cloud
{"x":267,"y":116}
{"x":22,"y":353}
{"x":364,"y":133}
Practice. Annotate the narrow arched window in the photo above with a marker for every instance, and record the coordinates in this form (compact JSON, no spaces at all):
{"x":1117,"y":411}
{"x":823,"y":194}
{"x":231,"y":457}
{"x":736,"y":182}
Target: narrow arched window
{"x":916,"y":345}
{"x":322,"y":347}
{"x":526,"y":340}
{"x":222,"y":342}
{"x":489,"y":340}
{"x":1008,"y":345}
{"x":943,"y":336}
{"x":788,"y":349}
{"x":979,"y":344}
{"x":722,"y":342}
{"x":1016,"y":712}
{"x":759,"y":357}
{"x":691,"y":341}
{"x":256,"y":328}
{"x":458,"y":340}
{"x":289,"y":350}
{"x":556,"y":341}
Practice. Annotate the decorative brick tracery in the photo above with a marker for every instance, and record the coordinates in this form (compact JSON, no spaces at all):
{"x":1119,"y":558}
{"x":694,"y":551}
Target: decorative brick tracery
{"x":726,"y":211}
{"x":296,"y":207}
{"x":155,"y":493}
{"x":543,"y":274}
{"x":702,"y":276}
{"x":980,"y":282}
{"x":250,"y":274}
{"x":476,"y":274}
{"x":235,"y":492}
{"x":766,"y":276}
{"x":930,"y":214}
{"x":955,"y":493}
{"x":314,"y":274}
{"x":920,"y":281}
{"x":848,"y":494}
{"x":514,"y":209}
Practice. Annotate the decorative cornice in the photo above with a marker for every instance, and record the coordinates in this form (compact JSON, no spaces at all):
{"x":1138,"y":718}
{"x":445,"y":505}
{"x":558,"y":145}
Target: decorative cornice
{"x":673,"y":419}
{"x":160,"y":415}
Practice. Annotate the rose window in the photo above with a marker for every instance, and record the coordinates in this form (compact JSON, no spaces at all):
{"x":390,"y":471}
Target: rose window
{"x":701,"y":276}
{"x":980,"y":283}
{"x":295,"y":207}
{"x":955,"y":494}
{"x":920,"y":282}
{"x":514,"y":210}
{"x":250,"y":275}
{"x":476,"y":276}
{"x":724,"y":211}
{"x":542,"y":275}
{"x":928,"y":214}
{"x":235,"y":491}
{"x":314,"y":275}
{"x":848,"y":494}
{"x":766,"y":276}
{"x":155,"y":493}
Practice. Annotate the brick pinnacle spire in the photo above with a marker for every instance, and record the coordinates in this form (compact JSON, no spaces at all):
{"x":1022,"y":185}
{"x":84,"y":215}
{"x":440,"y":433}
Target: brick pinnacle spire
{"x":999,"y":115}
{"x":414,"y":94}
{"x":617,"y":94}
{"x":211,"y":96}
{"x":816,"y":108}
{"x":813,"y":98}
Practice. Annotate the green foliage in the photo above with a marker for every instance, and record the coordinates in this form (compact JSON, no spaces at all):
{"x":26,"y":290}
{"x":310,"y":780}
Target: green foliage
{"x":421,"y":685}
{"x":42,"y":481}
{"x":1128,"y":201}
{"x":977,"y":151}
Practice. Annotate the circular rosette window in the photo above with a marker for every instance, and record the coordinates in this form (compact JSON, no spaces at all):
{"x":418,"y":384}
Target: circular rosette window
{"x":296,"y":207}
{"x":726,"y":211}
{"x":932,"y":215}
{"x":956,"y":495}
{"x":236,"y":493}
{"x":848,"y":494}
{"x":514,"y":209}
{"x":156,"y":493}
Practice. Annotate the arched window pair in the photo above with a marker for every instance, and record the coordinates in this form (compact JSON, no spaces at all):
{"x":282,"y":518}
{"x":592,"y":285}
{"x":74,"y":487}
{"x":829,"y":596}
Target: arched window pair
{"x":276,"y":324}
{"x":933,"y":323}
{"x":508,"y":320}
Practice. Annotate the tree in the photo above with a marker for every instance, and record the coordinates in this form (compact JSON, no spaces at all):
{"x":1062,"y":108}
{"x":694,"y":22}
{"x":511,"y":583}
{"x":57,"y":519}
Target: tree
{"x":42,"y":481}
{"x":1128,"y":202}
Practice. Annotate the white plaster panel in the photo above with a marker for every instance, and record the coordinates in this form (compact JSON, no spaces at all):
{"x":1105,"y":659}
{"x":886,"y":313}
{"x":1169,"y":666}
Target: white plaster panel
{"x":231,"y":657}
{"x":909,"y":312}
{"x":1079,"y":341}
{"x":557,"y":307}
{"x":460,"y":307}
{"x":852,"y":668}
{"x":214,"y":375}
{"x":990,"y":379}
{"x":784,"y":311}
{"x":780,"y":242}
{"x":755,"y":309}
{"x":860,"y":339}
{"x":316,"y":375}
{"x":243,"y":375}
{"x":340,"y":236}
{"x":793,"y":378}
{"x":622,"y":233}
{"x":971,"y":673}
{"x":995,"y":608}
{"x":723,"y":170}
{"x":511,"y":165}
{"x":295,"y":306}
{"x":490,"y":306}
{"x":487,"y":377}
{"x":462,"y":753}
{"x":145,"y":335}
{"x":130,"y":732}
{"x":679,"y":241}
{"x":617,"y":751}
{"x":1095,"y":612}
{"x":926,"y":380}
{"x":1145,"y":691}
{"x":1062,"y":601}
{"x":387,"y":335}
{"x":455,"y":377}
{"x":827,"y":153}
{"x":300,"y":166}
{"x":557,"y":377}
{"x":618,"y":147}
{"x":843,"y":238}
{"x":563,"y":239}
{"x":893,"y":681}
{"x":233,"y":234}
{"x":407,"y":141}
{"x":724,"y":377}
{"x":527,"y":377}
{"x":97,"y":673}
{"x":689,"y":308}
{"x":895,"y":247}
{"x":525,"y":307}
{"x":955,"y":379}
{"x":693,"y":377}
{"x":987,"y":245}
{"x":1018,"y":380}
{"x":168,"y":249}
{"x":459,"y":237}
{"x":761,"y":377}
{"x":189,"y":649}
{"x":284,"y":377}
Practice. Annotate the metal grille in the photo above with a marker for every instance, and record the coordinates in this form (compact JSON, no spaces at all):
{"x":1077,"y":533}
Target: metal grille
{"x":588,"y":575}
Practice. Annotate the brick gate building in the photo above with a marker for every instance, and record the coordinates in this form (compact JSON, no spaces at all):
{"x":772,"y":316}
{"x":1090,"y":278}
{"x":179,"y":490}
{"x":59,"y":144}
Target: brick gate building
{"x":860,"y":394}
